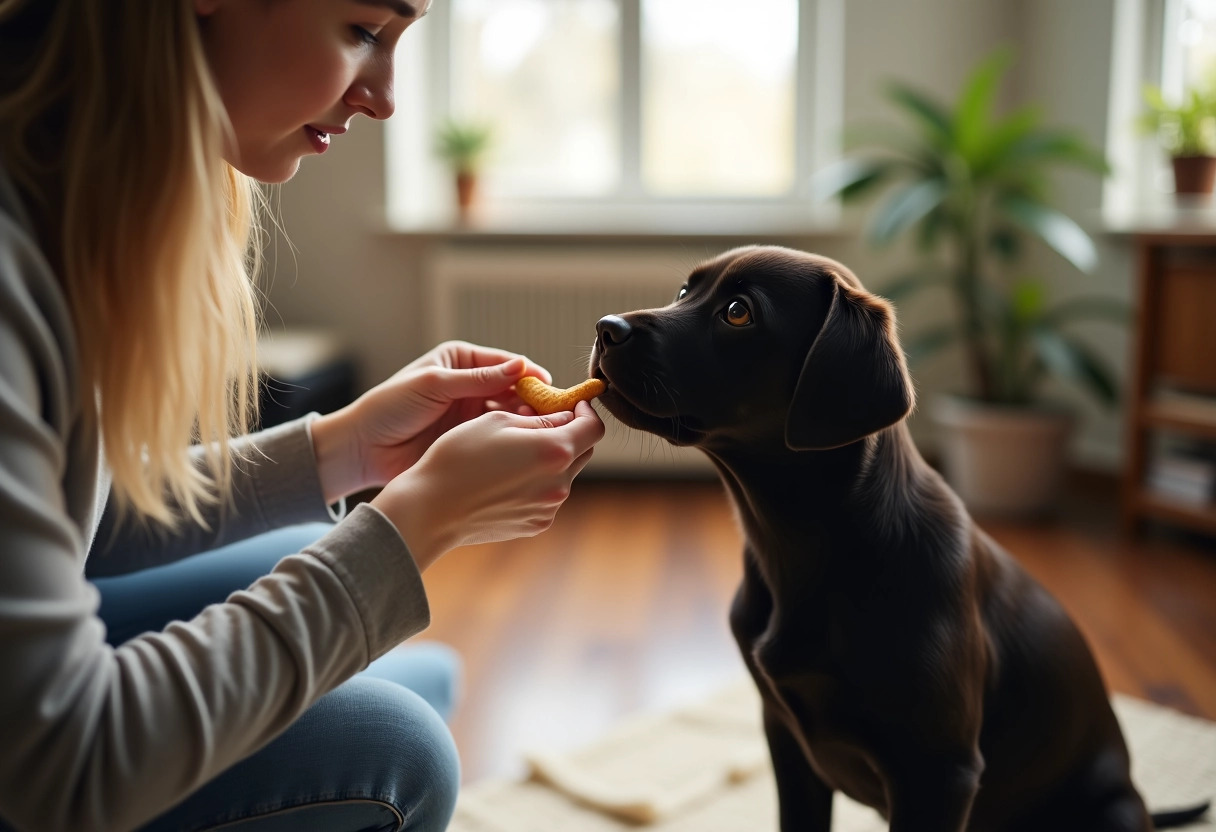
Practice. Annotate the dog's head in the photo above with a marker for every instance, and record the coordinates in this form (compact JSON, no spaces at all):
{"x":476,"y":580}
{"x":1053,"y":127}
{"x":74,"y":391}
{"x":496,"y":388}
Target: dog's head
{"x":761,"y":345}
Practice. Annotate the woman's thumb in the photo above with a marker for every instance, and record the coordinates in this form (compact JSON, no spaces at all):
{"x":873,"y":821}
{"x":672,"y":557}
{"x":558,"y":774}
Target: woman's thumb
{"x":486,"y":381}
{"x":513,"y":368}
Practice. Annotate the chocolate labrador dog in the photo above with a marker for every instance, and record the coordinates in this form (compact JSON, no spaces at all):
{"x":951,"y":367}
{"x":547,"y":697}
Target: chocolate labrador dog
{"x":902,"y":656}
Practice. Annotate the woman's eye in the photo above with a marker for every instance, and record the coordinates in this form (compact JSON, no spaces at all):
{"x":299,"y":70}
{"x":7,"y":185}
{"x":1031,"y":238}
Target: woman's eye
{"x":364,"y":35}
{"x":680,"y":295}
{"x":737,"y":313}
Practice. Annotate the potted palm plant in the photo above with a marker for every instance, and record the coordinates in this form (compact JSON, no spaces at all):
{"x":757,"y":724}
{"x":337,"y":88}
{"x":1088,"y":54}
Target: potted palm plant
{"x":971,"y":187}
{"x":1187,"y":132}
{"x":463,"y":145}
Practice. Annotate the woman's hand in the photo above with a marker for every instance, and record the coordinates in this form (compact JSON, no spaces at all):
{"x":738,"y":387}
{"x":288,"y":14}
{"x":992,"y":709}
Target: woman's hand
{"x":387,"y":430}
{"x":498,"y":476}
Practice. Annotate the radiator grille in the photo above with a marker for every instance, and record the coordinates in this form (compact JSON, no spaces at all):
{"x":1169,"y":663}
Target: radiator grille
{"x":546,"y":308}
{"x":553,"y":325}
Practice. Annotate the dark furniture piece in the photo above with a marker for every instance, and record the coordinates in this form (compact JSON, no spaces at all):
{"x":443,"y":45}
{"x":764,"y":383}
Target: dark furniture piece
{"x":1173,"y":385}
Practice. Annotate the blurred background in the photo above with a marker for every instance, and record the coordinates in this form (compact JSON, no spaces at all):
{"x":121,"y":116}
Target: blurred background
{"x":1003,"y":171}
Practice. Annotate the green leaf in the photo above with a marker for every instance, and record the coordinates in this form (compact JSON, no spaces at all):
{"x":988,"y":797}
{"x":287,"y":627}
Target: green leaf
{"x":1004,"y":136}
{"x":849,"y":178}
{"x":1073,"y":361}
{"x":971,"y":117}
{"x":1005,"y":243}
{"x":1028,"y":297}
{"x":919,"y":347}
{"x":933,"y":119}
{"x":1154,"y":97}
{"x":1053,"y":146}
{"x":1054,"y":228}
{"x":906,"y":207}
{"x":1186,"y":128}
{"x":935,"y":223}
{"x":462,"y":143}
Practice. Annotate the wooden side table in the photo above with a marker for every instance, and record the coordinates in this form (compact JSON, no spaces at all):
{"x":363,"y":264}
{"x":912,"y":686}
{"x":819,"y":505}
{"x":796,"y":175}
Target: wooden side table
{"x":1173,"y":386}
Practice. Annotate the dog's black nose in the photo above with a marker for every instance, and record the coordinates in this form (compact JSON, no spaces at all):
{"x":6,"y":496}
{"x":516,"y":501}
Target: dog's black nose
{"x":613,"y":329}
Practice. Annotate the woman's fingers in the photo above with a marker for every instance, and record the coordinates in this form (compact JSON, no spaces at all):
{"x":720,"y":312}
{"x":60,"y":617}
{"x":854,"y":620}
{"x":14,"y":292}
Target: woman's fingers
{"x":461,"y":355}
{"x":490,"y":479}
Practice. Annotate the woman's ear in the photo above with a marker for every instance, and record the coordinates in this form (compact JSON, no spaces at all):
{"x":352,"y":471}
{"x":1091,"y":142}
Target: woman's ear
{"x":854,"y":380}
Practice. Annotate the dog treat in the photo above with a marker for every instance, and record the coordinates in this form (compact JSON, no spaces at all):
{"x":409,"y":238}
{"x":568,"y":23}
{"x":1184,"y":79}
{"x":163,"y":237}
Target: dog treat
{"x":545,"y":399}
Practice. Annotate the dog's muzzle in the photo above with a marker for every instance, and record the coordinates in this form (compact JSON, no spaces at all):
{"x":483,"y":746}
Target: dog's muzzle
{"x":612,"y":332}
{"x":613,"y":329}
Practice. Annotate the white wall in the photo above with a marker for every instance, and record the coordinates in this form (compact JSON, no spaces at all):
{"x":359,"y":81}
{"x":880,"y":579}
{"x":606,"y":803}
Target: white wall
{"x":1067,"y":68}
{"x":353,"y":276}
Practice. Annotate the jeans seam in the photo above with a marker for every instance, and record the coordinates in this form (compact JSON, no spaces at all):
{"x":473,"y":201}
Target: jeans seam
{"x":289,"y":806}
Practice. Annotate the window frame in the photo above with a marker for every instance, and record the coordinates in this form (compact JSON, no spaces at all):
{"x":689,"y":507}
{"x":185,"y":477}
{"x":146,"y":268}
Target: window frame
{"x":1133,"y":196}
{"x":818,"y":120}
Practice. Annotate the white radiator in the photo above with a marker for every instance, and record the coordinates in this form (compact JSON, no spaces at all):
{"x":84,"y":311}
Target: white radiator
{"x":545,"y":305}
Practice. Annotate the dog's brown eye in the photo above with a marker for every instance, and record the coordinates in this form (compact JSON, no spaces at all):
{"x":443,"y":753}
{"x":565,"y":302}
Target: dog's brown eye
{"x":737,"y":313}
{"x":680,"y":294}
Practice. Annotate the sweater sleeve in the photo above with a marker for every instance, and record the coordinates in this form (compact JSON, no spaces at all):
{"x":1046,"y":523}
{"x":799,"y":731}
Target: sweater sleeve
{"x":274,"y":484}
{"x":96,"y":737}
{"x":107,"y":738}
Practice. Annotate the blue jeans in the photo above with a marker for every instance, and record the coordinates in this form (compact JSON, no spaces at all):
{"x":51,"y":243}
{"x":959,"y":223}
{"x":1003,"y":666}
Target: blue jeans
{"x":372,"y":754}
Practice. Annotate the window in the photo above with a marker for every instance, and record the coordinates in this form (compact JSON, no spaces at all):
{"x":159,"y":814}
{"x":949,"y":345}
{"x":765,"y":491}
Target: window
{"x":1189,"y":53}
{"x":1166,"y":43}
{"x":546,"y":76}
{"x":719,"y":105}
{"x":666,"y":104}
{"x":1186,"y":59}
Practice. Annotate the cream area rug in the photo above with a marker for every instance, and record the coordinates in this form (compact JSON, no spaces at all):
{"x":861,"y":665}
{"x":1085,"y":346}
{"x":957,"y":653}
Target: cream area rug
{"x":705,"y":768}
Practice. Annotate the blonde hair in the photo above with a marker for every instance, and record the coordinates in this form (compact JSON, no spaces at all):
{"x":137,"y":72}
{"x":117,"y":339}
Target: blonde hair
{"x":113,"y":129}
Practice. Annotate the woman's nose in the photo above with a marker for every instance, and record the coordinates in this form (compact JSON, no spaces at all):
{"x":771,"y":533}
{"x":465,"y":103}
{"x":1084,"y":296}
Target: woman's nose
{"x":613,"y":329}
{"x":372,"y":93}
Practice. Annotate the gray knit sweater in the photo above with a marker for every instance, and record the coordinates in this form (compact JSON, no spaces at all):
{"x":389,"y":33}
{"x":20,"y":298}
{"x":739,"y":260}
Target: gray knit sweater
{"x":101,"y":738}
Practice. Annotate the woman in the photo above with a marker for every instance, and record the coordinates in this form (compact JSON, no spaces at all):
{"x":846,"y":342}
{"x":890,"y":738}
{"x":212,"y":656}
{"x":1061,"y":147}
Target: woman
{"x":130,"y":135}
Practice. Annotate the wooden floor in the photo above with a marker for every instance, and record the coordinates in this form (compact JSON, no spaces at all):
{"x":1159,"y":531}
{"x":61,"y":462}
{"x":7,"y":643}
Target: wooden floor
{"x":622,"y":606}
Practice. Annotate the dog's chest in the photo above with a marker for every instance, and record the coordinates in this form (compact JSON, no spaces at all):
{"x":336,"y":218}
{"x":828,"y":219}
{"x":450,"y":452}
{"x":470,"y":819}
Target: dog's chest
{"x":804,"y":647}
{"x":821,"y":711}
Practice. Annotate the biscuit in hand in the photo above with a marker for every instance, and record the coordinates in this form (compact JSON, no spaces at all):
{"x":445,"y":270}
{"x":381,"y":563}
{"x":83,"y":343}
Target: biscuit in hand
{"x":545,"y":399}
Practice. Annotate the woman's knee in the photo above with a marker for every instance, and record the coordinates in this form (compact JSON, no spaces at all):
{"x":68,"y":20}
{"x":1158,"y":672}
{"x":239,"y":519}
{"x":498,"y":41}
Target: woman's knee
{"x":430,"y":669}
{"x":403,"y":744}
{"x":368,"y":743}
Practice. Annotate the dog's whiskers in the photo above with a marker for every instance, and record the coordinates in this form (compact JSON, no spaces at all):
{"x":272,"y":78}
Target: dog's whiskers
{"x":674,"y":405}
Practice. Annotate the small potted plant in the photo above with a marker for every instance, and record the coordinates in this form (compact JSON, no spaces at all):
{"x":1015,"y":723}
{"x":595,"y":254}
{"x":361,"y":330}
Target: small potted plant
{"x":971,"y":188}
{"x":1187,"y":132}
{"x":463,"y":145}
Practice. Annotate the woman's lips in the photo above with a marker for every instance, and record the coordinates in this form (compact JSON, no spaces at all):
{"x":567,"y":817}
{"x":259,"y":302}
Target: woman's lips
{"x":318,"y":138}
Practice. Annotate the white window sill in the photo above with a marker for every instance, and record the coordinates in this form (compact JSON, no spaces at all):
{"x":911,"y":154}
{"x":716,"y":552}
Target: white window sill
{"x":1182,"y":217}
{"x":608,"y":222}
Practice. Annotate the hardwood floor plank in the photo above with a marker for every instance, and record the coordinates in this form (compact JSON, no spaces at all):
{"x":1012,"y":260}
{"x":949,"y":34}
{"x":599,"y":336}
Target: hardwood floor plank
{"x":1138,"y":650}
{"x":622,"y":607}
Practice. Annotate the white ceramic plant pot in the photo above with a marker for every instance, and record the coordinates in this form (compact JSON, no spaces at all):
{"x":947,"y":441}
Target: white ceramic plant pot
{"x":1003,"y":460}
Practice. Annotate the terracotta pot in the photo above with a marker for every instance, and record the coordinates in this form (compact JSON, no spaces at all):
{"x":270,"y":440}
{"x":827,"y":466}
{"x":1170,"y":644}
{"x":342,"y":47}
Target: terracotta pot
{"x":466,"y":192}
{"x":1003,"y":460}
{"x":1194,"y":174}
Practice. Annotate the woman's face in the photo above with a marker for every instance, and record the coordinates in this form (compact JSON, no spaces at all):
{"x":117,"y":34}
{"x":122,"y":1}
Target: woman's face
{"x":292,"y":73}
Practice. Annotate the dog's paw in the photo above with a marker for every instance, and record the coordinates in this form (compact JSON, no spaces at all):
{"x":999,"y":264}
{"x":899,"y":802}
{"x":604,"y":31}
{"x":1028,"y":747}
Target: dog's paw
{"x":545,"y":399}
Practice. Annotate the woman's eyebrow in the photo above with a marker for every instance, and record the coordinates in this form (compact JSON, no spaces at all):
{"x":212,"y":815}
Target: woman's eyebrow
{"x":401,"y":7}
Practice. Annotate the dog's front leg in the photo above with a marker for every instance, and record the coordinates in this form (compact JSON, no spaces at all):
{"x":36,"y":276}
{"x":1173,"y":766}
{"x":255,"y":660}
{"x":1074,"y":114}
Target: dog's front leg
{"x":805,"y":801}
{"x":932,"y":795}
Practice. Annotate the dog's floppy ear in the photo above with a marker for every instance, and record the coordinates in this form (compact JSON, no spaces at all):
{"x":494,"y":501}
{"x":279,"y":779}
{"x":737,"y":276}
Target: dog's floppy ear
{"x":854,"y":381}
